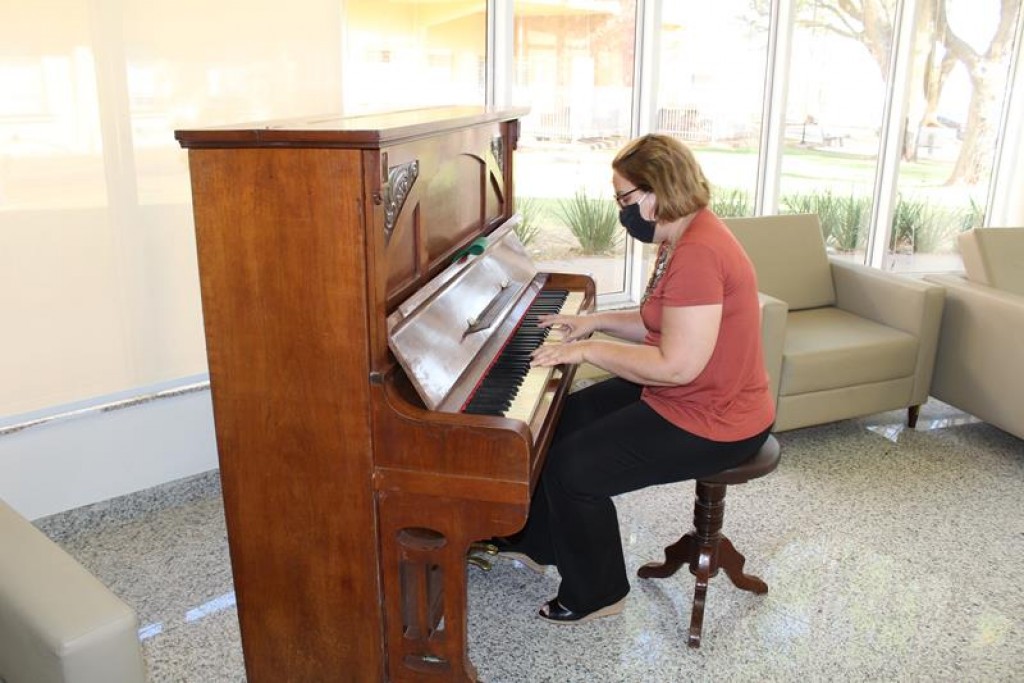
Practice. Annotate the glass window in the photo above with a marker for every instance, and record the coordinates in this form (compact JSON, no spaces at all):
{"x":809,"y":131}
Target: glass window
{"x":401,"y":55}
{"x":836,"y":98}
{"x":189,"y":64}
{"x":573,"y":66}
{"x":961,"y":62}
{"x":711,"y":91}
{"x":58,"y":273}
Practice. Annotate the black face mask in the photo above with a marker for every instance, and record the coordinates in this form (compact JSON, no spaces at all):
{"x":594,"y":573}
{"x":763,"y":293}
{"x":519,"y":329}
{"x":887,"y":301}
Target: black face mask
{"x":638,"y":227}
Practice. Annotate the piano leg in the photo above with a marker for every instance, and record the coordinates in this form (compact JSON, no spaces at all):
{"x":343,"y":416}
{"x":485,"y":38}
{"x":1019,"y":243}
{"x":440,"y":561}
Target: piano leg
{"x":424,"y":579}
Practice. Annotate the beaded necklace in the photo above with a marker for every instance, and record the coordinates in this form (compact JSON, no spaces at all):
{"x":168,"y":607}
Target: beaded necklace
{"x":660,"y":265}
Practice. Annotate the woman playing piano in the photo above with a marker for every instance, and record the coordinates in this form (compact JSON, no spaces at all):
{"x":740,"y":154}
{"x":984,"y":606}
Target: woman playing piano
{"x":689,"y":396}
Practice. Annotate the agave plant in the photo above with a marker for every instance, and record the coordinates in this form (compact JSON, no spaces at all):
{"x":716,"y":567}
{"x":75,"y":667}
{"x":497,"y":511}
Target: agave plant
{"x":731,"y":203}
{"x":593,"y":222}
{"x":528,"y":228}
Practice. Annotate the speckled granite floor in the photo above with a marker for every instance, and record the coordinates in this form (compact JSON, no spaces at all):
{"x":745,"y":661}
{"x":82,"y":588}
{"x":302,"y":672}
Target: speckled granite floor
{"x":891,"y":555}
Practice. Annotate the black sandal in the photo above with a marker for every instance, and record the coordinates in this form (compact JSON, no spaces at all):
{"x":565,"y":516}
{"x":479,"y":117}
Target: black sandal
{"x":554,"y":612}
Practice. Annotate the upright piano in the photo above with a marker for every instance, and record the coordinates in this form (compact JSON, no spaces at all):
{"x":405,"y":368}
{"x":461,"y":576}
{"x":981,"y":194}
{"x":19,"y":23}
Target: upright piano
{"x":364,"y":298}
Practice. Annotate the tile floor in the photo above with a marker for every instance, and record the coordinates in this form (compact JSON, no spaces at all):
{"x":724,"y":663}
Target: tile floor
{"x":891,"y":555}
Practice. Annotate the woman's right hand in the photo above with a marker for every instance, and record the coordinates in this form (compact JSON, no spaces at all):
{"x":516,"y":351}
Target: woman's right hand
{"x":572,"y":327}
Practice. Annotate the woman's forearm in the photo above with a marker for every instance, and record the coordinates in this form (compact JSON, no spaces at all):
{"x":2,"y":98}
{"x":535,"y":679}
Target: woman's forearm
{"x":638,"y":363}
{"x":626,"y":325}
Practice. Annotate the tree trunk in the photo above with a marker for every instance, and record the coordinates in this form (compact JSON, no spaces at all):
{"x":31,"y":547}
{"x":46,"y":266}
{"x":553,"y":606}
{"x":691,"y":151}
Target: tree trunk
{"x":974,"y":162}
{"x":987,"y":71}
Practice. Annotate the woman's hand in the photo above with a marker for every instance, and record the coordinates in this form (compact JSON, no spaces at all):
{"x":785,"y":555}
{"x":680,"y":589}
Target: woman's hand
{"x":572,"y":327}
{"x":557,"y":353}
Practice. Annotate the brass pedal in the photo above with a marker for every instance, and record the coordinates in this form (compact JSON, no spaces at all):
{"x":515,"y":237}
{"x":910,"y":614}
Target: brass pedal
{"x":483,"y":547}
{"x":479,"y":562}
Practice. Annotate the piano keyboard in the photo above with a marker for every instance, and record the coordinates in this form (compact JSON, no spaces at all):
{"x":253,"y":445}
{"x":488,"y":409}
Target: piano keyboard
{"x":511,"y":387}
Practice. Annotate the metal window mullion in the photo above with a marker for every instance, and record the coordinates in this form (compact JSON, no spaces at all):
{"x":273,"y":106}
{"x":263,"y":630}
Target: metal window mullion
{"x":894,"y":112}
{"x":500,"y":52}
{"x":1009,"y":153}
{"x":646,"y":57}
{"x":773,"y":109}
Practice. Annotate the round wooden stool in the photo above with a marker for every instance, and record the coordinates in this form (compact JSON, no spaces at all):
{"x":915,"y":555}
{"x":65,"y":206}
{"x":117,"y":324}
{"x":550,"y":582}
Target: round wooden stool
{"x":704,"y":548}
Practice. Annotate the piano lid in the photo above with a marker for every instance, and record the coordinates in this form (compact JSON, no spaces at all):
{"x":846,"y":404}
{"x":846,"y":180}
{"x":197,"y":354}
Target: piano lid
{"x":440,"y":331}
{"x":368,"y":131}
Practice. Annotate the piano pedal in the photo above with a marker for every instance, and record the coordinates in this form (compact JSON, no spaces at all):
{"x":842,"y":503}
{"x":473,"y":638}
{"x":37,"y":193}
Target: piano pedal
{"x":479,"y":562}
{"x":483,"y":547}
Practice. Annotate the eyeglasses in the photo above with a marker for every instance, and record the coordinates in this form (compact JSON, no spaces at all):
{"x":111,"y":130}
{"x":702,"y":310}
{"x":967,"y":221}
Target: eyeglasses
{"x":621,"y":196}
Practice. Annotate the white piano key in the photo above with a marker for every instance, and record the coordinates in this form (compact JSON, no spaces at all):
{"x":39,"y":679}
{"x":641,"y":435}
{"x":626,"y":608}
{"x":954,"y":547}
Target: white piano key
{"x":531,"y":392}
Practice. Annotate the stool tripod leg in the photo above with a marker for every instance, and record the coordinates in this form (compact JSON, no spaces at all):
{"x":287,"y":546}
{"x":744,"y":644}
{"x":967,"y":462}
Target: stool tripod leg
{"x":702,"y":569}
{"x":676,"y":555}
{"x":732,"y":561}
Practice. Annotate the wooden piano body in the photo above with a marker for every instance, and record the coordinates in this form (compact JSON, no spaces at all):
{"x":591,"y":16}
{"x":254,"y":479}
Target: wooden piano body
{"x":350,"y":505}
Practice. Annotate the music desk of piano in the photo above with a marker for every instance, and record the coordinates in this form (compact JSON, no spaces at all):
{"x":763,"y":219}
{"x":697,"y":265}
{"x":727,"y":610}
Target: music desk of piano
{"x":346,"y":339}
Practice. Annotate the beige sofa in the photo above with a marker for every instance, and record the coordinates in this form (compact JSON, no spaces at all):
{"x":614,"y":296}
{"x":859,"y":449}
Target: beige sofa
{"x":58,"y":623}
{"x":854,"y":340}
{"x":980,"y":363}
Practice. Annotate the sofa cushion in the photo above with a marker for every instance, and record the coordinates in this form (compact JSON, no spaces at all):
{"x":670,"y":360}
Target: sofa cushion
{"x":994,"y":257}
{"x":828,"y":348}
{"x":789,"y":257}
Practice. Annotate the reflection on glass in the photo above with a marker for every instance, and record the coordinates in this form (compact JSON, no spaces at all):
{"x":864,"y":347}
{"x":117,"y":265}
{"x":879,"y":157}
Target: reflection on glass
{"x":837,"y":78}
{"x":403,"y":55}
{"x":49,"y":111}
{"x":237,"y":64}
{"x":962,"y":54}
{"x":574,"y":68}
{"x":711,"y":90}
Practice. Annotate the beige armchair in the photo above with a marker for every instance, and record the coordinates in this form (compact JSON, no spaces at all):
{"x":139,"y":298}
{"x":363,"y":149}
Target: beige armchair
{"x":980,"y":363}
{"x":855,"y":340}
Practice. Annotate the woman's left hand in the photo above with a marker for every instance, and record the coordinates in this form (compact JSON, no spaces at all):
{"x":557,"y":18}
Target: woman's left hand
{"x":571,"y":353}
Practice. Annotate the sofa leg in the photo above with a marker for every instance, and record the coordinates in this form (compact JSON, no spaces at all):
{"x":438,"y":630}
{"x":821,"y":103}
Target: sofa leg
{"x":912,"y":413}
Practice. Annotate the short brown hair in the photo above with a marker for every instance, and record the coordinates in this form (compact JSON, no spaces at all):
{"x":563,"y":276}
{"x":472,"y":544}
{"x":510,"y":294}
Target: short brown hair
{"x":665,"y":166}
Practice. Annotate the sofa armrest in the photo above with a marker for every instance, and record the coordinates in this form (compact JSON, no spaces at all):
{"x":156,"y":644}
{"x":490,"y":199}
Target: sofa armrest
{"x":897,"y":301}
{"x":773,"y":337}
{"x":979,"y":367}
{"x":58,"y":622}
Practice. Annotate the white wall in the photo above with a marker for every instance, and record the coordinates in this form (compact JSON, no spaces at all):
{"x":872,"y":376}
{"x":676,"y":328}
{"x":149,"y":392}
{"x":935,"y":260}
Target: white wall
{"x":105,"y":451}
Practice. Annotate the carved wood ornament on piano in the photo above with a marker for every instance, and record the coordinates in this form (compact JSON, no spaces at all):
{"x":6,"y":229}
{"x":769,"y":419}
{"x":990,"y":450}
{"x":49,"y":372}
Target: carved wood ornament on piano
{"x":369,"y":313}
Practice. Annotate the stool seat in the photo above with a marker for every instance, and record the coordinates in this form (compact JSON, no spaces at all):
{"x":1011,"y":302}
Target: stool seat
{"x":763,"y":462}
{"x":705,"y":549}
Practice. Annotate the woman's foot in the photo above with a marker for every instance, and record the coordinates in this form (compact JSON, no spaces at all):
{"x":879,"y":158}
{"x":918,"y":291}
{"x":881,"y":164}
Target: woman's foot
{"x":555,"y":613}
{"x":505,"y":547}
{"x":523,"y":559}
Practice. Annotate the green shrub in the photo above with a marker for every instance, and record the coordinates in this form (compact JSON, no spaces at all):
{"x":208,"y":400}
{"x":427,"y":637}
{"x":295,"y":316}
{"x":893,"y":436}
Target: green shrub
{"x":731,"y":203}
{"x":529,"y":210}
{"x":924,"y":227}
{"x":811,"y":203}
{"x":843,"y":219}
{"x":906,"y":220}
{"x":937,"y":230}
{"x":850,"y":218}
{"x":593,"y":222}
{"x":972,"y":216}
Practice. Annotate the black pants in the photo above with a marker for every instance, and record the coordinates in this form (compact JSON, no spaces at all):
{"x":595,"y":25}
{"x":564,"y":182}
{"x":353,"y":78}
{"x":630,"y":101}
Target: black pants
{"x":608,"y":442}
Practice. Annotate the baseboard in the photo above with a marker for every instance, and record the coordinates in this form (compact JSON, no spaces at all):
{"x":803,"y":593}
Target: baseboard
{"x":94,"y":453}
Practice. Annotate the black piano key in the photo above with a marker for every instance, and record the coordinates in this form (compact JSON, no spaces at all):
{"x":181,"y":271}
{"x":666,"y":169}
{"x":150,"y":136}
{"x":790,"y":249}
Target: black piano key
{"x":501,"y":384}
